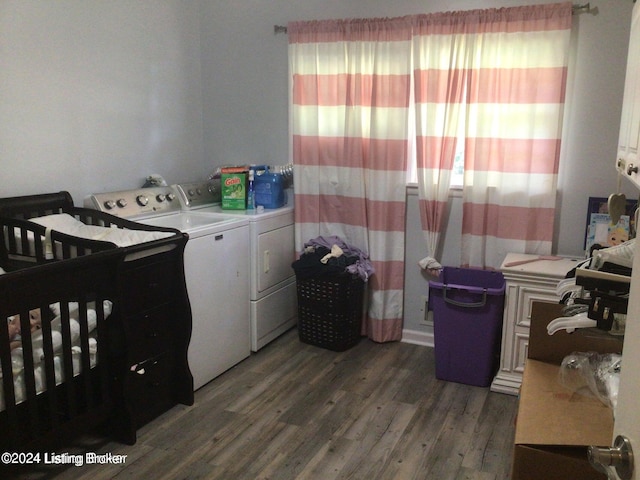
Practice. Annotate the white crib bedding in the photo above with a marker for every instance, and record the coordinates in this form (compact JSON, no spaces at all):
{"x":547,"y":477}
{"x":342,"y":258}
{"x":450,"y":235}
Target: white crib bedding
{"x":69,"y":225}
{"x":17,"y":354}
{"x":65,"y":223}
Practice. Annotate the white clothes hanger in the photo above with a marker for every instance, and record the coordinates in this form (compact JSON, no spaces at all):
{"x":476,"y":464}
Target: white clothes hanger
{"x":580,"y":320}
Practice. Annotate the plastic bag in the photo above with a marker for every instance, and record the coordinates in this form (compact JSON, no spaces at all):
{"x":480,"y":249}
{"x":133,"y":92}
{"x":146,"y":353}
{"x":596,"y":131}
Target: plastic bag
{"x":592,"y":374}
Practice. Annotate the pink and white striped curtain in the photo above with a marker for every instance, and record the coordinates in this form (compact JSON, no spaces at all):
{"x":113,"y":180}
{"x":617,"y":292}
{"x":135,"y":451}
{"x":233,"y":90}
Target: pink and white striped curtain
{"x":508,"y":67}
{"x":494,"y":78}
{"x":439,"y":92}
{"x":349,"y":122}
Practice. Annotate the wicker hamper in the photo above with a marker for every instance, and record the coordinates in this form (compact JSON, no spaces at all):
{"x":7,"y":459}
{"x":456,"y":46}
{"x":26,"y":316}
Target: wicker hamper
{"x":330,"y":310}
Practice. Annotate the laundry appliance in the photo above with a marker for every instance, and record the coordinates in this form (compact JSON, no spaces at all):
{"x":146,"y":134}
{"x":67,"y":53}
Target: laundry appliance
{"x":216,"y":263}
{"x":273,"y":299}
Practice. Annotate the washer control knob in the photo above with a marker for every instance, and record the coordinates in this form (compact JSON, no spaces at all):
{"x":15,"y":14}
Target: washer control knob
{"x":171,"y":197}
{"x":142,"y":200}
{"x":191,"y":192}
{"x":161,"y":197}
{"x":198,"y":191}
{"x":121,"y":203}
{"x":109,"y":204}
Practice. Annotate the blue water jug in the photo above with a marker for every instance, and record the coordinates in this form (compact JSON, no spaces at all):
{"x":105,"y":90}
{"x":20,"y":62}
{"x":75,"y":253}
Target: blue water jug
{"x":269,"y":190}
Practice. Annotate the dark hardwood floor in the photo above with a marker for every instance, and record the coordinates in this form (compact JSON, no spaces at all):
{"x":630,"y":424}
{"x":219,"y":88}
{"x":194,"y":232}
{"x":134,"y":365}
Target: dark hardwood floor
{"x":294,"y":411}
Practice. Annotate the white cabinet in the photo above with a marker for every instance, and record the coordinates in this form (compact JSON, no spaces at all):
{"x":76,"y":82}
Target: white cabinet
{"x":525,"y":284}
{"x":627,"y":161}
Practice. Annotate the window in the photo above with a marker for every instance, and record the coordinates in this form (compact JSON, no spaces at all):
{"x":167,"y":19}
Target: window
{"x":457,"y":175}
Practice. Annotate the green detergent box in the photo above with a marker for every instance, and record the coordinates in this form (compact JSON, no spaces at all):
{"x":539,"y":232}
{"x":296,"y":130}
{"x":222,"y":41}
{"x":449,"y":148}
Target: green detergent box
{"x":233,"y":182}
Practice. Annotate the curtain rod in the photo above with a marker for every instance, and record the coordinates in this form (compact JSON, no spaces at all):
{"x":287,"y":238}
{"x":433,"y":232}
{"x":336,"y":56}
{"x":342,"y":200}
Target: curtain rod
{"x":584,"y":8}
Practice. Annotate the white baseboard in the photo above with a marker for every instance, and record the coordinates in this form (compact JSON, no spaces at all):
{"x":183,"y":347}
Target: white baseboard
{"x":418,"y":338}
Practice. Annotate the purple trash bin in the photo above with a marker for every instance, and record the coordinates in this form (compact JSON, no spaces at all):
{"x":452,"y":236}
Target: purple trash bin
{"x":467,"y":307}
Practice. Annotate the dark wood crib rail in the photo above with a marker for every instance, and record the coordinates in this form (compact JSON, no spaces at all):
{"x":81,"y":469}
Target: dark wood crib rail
{"x":82,"y":400}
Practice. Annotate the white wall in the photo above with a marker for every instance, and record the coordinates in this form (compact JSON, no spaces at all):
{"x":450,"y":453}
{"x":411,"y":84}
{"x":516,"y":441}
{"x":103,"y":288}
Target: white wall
{"x":97,"y":94}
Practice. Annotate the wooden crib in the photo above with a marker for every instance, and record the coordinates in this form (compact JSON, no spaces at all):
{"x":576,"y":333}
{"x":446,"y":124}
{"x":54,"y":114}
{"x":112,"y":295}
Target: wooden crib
{"x":102,"y":353}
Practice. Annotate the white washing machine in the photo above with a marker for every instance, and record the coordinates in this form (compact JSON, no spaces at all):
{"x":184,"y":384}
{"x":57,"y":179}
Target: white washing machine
{"x":216,"y":263}
{"x":273,"y":298}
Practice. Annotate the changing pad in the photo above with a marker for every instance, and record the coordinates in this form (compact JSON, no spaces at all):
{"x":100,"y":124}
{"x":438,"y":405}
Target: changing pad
{"x":67,"y":224}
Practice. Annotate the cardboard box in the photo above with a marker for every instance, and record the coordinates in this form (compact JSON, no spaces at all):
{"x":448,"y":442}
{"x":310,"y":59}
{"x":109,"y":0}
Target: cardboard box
{"x":555,"y":425}
{"x":233,"y":185}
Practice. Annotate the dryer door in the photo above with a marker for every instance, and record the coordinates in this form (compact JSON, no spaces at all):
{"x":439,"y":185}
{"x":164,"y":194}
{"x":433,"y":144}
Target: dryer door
{"x":276,"y":252}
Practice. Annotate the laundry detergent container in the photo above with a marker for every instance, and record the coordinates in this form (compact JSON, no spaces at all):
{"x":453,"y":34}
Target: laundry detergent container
{"x":269,"y":190}
{"x":467,"y":307}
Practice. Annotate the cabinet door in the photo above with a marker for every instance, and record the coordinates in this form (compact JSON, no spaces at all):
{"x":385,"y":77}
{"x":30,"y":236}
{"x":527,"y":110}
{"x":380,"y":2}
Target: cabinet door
{"x":627,"y":160}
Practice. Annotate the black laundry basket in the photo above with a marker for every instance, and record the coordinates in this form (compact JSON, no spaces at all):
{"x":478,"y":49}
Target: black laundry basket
{"x":330,"y":310}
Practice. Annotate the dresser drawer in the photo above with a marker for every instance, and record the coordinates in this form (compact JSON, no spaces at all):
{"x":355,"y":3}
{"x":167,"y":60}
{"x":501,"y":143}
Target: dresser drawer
{"x":150,"y":333}
{"x":148,"y":286}
{"x":149,"y":392}
{"x":527,"y":294}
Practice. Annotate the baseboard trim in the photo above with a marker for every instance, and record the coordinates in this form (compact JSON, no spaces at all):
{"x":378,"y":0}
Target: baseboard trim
{"x":418,"y":338}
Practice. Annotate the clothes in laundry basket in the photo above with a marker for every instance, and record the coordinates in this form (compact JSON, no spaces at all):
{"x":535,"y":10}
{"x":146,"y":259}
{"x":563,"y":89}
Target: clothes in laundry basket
{"x":331,"y":255}
{"x":330,"y":284}
{"x":310,"y":265}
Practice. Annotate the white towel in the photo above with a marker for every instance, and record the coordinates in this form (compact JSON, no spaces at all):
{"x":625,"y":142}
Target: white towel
{"x":431,"y":265}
